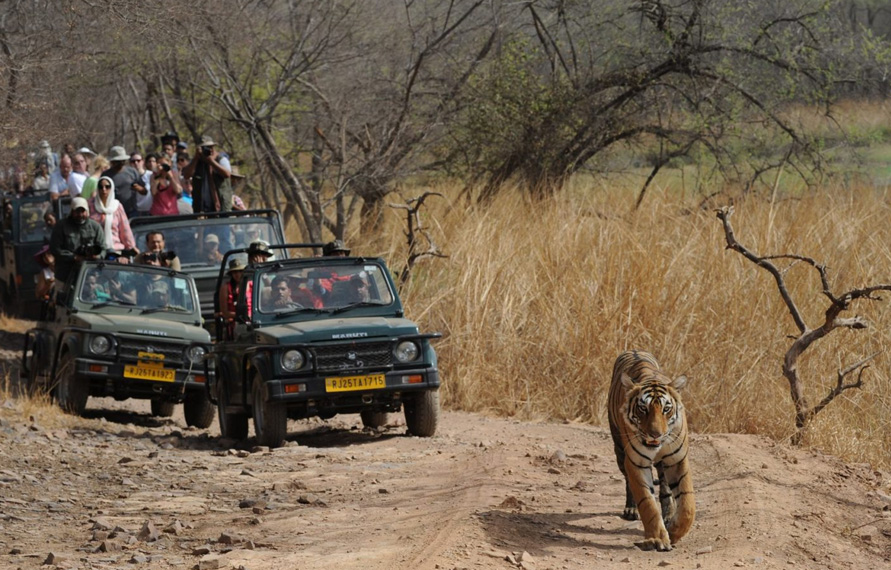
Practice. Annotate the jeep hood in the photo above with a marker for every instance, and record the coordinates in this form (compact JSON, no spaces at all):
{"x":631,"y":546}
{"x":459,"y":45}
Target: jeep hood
{"x":141,"y":325}
{"x":354,"y":328}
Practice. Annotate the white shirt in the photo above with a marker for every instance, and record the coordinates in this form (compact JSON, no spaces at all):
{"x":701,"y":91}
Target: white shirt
{"x":144,"y":202}
{"x":76,"y":183}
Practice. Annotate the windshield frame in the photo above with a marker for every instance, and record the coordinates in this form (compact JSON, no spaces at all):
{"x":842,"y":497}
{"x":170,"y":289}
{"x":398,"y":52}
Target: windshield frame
{"x":185,"y":235}
{"x":182,"y":294}
{"x":380,"y":297}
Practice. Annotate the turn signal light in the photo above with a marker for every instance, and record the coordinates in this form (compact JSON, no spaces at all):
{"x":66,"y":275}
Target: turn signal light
{"x":413,"y":379}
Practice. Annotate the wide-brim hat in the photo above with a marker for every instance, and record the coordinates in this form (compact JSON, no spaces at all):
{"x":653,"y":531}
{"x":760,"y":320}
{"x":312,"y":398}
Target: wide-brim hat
{"x":160,"y":287}
{"x":259,"y":247}
{"x":41,"y":251}
{"x":118,"y":153}
{"x":86,"y":150}
{"x":335,"y":246}
{"x":236,"y":264}
{"x":206,"y":141}
{"x":211,"y":238}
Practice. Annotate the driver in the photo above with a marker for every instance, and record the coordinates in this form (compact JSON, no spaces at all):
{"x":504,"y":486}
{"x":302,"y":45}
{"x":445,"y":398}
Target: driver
{"x":281,"y":296}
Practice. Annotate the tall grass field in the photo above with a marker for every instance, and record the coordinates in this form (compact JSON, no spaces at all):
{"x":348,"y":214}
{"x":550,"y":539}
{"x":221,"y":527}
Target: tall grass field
{"x":536,"y":300}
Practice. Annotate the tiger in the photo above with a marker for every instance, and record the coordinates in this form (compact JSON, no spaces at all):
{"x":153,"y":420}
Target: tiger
{"x":649,"y":429}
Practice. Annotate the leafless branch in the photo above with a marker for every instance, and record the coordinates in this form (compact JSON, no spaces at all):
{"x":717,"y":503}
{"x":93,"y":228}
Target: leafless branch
{"x":413,"y":228}
{"x":833,"y":319}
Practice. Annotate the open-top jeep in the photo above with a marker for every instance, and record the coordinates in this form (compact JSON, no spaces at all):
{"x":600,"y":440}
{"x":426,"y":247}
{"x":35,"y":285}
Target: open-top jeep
{"x":188,"y":237}
{"x":23,"y":234}
{"x":319,"y":336}
{"x":125,"y":331}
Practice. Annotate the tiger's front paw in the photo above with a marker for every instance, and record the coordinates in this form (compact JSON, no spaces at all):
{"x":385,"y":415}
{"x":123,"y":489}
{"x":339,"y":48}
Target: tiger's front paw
{"x":630,"y":514}
{"x":662,"y":545}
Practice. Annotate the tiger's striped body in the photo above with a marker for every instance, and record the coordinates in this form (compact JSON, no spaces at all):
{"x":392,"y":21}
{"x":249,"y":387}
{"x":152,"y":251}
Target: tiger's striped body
{"x":649,"y":429}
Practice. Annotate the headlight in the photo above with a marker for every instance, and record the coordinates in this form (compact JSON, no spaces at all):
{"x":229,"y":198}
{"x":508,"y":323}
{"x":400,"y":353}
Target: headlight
{"x":293,"y":360}
{"x":407,"y":351}
{"x":100,"y":344}
{"x":195,"y":354}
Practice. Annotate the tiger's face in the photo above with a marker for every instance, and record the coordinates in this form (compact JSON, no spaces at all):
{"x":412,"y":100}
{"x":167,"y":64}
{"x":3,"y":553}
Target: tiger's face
{"x":653,"y":409}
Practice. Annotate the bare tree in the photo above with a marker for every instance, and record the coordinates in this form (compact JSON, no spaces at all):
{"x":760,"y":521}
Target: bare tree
{"x":414,"y":232}
{"x":832,"y":320}
{"x":662,"y":78}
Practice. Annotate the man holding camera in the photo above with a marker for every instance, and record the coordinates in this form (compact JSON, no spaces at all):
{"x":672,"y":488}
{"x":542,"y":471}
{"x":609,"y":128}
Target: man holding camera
{"x":75,"y":238}
{"x":211,"y":174}
{"x":155,"y":253}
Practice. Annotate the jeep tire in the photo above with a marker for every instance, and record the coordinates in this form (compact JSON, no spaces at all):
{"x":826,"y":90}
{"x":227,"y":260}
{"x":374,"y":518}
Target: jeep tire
{"x":36,"y":382}
{"x":422,"y":413}
{"x":162,"y":408}
{"x":372,"y":419}
{"x":72,"y":391}
{"x":232,"y":425}
{"x":270,"y":418}
{"x":198,"y":410}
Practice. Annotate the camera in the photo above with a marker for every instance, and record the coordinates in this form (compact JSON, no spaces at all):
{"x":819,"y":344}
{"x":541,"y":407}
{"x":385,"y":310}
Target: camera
{"x":164,"y":256}
{"x":206,"y":150}
{"x":89,"y":250}
{"x":165,"y":167}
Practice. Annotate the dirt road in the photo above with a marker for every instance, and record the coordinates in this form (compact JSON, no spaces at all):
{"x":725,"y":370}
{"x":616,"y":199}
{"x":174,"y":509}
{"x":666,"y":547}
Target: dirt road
{"x":121,"y":489}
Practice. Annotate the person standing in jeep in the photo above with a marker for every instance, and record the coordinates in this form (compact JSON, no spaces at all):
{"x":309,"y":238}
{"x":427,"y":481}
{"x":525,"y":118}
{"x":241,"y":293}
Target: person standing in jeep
{"x":210,"y":172}
{"x":156,"y":252}
{"x":128,"y":182}
{"x":75,"y":238}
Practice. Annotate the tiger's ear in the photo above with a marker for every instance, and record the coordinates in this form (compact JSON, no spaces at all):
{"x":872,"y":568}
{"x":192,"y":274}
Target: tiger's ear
{"x":627,"y":381}
{"x":679,"y":382}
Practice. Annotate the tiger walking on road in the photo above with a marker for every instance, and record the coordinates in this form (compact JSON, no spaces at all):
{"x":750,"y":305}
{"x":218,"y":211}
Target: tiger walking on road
{"x":649,"y":429}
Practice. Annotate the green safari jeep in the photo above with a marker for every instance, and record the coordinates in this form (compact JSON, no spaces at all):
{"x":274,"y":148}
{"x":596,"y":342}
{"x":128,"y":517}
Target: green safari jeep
{"x":316,"y":337}
{"x":125,"y":331}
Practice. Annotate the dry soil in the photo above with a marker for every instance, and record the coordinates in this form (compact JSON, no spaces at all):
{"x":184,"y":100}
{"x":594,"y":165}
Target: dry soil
{"x":120,"y":489}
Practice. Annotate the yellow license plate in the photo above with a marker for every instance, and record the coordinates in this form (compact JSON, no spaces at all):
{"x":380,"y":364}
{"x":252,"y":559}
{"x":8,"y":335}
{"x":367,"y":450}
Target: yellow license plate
{"x":351,"y":383}
{"x":149,"y":373}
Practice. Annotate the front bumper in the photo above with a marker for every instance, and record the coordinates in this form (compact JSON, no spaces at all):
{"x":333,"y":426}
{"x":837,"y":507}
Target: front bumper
{"x":110,"y":379}
{"x":312,"y":392}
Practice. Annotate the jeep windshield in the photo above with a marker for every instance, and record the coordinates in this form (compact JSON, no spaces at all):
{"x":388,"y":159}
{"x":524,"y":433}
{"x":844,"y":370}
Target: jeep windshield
{"x":202,"y":243}
{"x":320,"y":288}
{"x":33,"y":227}
{"x":136,"y":287}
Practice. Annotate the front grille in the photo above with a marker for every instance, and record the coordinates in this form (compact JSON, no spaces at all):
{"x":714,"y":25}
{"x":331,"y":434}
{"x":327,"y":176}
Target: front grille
{"x":129,"y":349}
{"x":356,"y":356}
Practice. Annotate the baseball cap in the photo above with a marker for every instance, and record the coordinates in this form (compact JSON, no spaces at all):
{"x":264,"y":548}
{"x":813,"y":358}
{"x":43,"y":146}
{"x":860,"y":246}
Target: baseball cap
{"x":79,"y":203}
{"x":86,"y":150}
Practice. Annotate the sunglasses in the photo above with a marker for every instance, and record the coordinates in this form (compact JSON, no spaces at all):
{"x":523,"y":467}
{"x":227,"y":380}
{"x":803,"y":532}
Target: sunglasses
{"x":105,"y":186}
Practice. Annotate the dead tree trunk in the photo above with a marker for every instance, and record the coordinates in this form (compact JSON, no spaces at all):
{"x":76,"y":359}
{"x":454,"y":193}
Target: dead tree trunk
{"x":414,"y":229}
{"x":833,"y":320}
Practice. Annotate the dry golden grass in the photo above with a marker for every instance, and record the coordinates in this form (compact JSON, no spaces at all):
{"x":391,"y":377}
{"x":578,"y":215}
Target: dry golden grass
{"x":537,"y":300}
{"x":38,"y":409}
